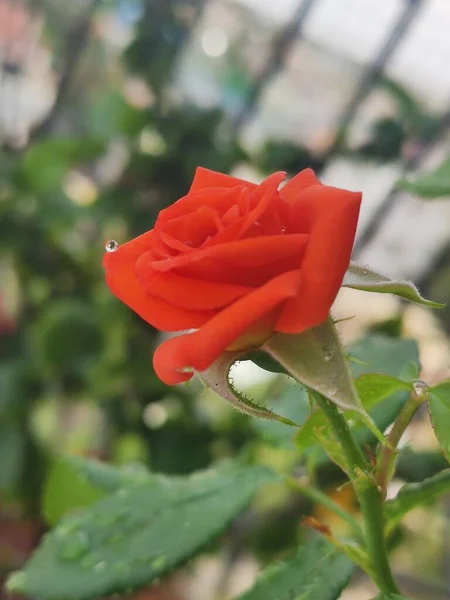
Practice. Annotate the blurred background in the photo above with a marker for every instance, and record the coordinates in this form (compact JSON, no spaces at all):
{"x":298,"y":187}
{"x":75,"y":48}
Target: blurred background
{"x":106,"y":109}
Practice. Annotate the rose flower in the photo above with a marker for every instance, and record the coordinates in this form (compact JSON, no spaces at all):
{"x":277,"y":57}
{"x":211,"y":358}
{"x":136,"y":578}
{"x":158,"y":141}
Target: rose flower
{"x":236,"y":262}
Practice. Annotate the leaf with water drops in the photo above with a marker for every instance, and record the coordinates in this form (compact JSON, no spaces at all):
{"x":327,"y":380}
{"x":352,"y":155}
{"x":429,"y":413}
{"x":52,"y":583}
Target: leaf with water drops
{"x":360,"y":277}
{"x":74,"y":483}
{"x":136,"y":534}
{"x":316,"y":571}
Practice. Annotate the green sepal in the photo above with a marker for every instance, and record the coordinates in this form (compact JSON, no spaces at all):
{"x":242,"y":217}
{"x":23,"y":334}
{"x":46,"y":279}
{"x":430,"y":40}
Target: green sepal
{"x":217,"y":378}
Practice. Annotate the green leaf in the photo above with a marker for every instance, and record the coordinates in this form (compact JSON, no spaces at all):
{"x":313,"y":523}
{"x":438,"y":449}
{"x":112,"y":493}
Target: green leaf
{"x":359,"y":277}
{"x":292,"y":404}
{"x":136,"y":534}
{"x":410,"y":372}
{"x":316,"y":359}
{"x":413,"y":466}
{"x":332,"y":448}
{"x":372,"y":353}
{"x":439,"y":407}
{"x":75,"y":483}
{"x":216,"y":377}
{"x":415,"y":494}
{"x":375,"y":387}
{"x":372,"y":388}
{"x":316,"y":571}
{"x":435,"y":184}
{"x":382,"y":354}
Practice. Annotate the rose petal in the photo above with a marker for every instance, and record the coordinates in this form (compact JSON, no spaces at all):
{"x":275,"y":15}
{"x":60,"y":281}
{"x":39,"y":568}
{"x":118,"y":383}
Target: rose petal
{"x":295,"y":186}
{"x":231,"y":232}
{"x":123,"y":282}
{"x":248,"y":252}
{"x":260,"y":201}
{"x":220,"y":199}
{"x":193,"y":228}
{"x":199,"y":349}
{"x":186,"y":292}
{"x":331,"y":215}
{"x":204,"y":178}
{"x":268,"y":196}
{"x":288,"y":195}
{"x":171,"y":243}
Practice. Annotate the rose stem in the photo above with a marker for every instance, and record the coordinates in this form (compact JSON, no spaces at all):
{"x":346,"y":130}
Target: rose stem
{"x":369,"y":497}
{"x":388,"y":453}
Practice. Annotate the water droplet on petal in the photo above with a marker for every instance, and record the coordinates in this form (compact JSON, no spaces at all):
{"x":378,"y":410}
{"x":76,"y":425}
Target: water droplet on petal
{"x":111,"y":246}
{"x":76,"y":546}
{"x":283,"y":229}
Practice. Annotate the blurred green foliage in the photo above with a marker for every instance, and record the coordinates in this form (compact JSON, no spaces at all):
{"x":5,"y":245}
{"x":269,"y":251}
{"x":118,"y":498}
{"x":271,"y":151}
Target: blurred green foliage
{"x":75,"y":365}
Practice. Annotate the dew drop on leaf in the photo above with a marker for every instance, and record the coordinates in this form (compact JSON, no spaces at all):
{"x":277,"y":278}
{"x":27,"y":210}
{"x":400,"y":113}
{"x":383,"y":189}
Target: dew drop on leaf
{"x":90,"y":560}
{"x":159,"y":562}
{"x":76,"y":546}
{"x":100,"y":566}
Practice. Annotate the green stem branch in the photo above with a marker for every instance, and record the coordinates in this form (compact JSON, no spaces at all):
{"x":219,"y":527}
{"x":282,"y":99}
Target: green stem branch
{"x":369,"y":497}
{"x":388,"y":453}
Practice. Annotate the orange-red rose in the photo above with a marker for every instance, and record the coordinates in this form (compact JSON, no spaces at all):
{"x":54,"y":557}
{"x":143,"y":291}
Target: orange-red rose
{"x":235,"y":262}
